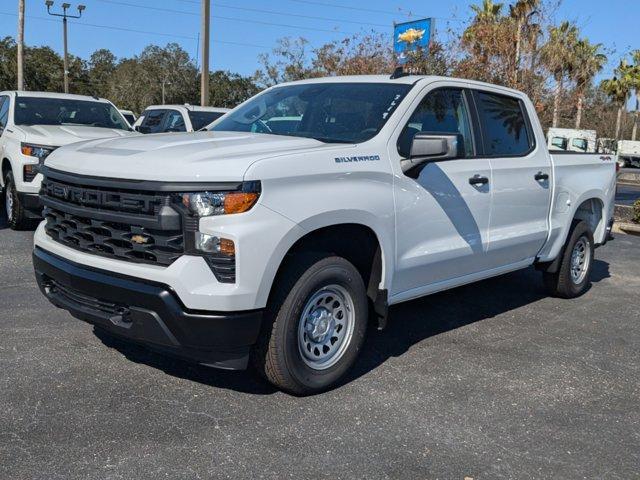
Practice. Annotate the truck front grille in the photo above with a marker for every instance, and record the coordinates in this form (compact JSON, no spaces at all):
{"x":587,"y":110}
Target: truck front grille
{"x":118,"y":240}
{"x":138,"y":226}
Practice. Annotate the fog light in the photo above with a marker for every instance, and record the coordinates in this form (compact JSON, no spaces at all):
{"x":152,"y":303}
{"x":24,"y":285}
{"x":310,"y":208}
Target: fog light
{"x":212,"y":244}
{"x":29,"y":172}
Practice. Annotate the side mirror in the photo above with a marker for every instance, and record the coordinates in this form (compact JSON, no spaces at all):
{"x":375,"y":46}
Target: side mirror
{"x":432,"y":147}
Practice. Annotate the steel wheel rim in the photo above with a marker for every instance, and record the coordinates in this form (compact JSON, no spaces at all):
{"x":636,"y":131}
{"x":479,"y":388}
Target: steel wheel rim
{"x":580,"y":260}
{"x":8,"y":202}
{"x":325,"y":327}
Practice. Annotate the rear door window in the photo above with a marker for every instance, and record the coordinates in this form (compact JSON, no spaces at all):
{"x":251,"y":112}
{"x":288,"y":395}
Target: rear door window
{"x":202,"y":119}
{"x":504,"y":125}
{"x":174,"y":122}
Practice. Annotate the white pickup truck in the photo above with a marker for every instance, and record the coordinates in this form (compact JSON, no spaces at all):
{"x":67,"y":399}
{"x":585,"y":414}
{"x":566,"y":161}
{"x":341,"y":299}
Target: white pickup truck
{"x":241,"y":244}
{"x":32,"y":125}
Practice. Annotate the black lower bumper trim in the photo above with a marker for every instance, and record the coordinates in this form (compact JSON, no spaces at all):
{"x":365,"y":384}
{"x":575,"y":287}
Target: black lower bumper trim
{"x":31,"y":203}
{"x":147,"y":313}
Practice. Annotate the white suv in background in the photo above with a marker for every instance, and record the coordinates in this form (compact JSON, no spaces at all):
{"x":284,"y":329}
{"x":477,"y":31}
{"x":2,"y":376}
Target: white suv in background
{"x":177,"y":118}
{"x":32,"y":125}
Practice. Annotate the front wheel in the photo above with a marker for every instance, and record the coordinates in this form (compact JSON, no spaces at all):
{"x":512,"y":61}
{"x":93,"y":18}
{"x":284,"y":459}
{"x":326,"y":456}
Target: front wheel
{"x":315,"y":324}
{"x":572,"y":278}
{"x":16,"y":215}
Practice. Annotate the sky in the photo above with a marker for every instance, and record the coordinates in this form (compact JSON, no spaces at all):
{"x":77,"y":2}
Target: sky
{"x":242,"y":29}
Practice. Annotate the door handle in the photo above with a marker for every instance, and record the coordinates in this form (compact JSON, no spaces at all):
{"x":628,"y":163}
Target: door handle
{"x":478,"y":180}
{"x":541,"y":176}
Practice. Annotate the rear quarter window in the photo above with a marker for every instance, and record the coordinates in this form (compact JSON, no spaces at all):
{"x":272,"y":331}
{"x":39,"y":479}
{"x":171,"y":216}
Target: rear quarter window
{"x":504,"y":123}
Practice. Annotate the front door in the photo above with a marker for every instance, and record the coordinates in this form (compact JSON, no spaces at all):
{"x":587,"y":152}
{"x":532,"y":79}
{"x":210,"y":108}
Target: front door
{"x":443,"y":211}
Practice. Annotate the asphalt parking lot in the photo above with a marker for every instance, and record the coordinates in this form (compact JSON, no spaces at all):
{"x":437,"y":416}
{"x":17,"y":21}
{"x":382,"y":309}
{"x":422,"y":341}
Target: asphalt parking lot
{"x":489,"y":381}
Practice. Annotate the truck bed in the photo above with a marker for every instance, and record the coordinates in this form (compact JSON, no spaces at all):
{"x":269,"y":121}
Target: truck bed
{"x":576,"y":178}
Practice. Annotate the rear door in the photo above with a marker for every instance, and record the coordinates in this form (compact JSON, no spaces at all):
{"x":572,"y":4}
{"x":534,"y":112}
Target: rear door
{"x":521,"y":178}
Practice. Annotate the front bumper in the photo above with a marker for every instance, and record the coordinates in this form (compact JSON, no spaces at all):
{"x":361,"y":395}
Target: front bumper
{"x":148,"y":313}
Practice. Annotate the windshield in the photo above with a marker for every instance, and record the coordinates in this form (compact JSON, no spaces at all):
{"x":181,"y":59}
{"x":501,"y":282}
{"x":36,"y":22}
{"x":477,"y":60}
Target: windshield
{"x":63,"y":111}
{"x":202,"y":119}
{"x":329,"y":112}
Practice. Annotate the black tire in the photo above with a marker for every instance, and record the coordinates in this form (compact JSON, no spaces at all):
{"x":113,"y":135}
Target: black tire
{"x":278,"y":356}
{"x":562,"y":284}
{"x":16,"y":216}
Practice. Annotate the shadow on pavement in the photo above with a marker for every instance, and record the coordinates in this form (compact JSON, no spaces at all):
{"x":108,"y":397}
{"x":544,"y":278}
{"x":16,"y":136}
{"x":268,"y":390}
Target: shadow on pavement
{"x":409,"y":324}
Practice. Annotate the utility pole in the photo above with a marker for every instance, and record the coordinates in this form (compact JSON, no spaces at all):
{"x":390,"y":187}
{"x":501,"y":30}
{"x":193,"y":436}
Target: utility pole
{"x":21,"y":44}
{"x":204,"y":75}
{"x":65,"y":15}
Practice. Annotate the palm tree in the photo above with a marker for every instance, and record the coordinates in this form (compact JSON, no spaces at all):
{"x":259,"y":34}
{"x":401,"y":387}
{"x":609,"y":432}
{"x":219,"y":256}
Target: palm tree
{"x":589,"y":61}
{"x":521,"y":12}
{"x":487,"y":12}
{"x":558,"y":56}
{"x":618,"y":89}
{"x":487,"y":16}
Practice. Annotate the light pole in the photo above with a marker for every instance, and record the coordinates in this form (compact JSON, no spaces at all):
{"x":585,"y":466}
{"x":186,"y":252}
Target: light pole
{"x":164,"y":82}
{"x":204,"y":75}
{"x":65,"y":15}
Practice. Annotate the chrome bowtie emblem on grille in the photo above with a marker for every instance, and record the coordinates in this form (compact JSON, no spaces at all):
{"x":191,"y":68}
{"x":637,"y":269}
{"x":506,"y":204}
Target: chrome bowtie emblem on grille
{"x":140,"y":239}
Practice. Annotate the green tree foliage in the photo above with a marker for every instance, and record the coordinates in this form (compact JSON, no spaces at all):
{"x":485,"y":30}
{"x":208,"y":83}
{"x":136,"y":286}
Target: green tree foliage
{"x":131,"y":83}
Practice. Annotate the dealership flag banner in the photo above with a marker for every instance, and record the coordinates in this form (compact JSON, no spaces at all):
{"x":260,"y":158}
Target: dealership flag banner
{"x":412,"y":36}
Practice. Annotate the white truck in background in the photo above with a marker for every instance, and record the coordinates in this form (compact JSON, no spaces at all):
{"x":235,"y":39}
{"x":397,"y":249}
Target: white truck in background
{"x":245,"y":244}
{"x":34,"y":124}
{"x":629,"y":153}
{"x":176,"y":118}
{"x":129,"y":116}
{"x":572,"y":140}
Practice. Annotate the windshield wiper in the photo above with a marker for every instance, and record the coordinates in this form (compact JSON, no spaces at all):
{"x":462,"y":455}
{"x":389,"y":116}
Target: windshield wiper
{"x":331,"y":140}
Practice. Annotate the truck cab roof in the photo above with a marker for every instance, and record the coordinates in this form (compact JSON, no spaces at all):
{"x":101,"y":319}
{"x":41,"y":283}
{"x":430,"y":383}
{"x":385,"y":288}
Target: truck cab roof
{"x":69,"y":96}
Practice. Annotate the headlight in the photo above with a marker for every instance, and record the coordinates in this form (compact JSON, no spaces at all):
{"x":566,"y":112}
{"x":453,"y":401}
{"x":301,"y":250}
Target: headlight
{"x":207,"y":204}
{"x":38,"y":151}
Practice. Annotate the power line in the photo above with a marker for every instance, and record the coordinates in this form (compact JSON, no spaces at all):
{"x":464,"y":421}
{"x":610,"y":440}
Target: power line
{"x":235,"y":19}
{"x":371,"y":10}
{"x":146,"y":32}
{"x":248,"y":9}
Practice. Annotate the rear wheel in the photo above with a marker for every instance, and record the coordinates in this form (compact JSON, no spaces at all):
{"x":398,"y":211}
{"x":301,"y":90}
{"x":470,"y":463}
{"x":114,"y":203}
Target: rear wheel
{"x":16,"y":215}
{"x":315,"y":324}
{"x":572,"y":278}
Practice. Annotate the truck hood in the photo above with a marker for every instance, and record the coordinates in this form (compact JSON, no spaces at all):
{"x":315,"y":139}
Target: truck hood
{"x":59,"y":135}
{"x":183,"y":157}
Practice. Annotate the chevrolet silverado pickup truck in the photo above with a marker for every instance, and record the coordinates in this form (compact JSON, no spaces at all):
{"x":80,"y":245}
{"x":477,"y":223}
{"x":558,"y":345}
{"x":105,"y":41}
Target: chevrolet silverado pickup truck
{"x":243,"y":245}
{"x":32,"y":125}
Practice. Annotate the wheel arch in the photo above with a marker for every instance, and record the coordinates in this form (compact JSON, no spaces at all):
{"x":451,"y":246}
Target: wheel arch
{"x":591,"y":211}
{"x":358,"y":242}
{"x":590,"y":208}
{"x":6,"y":168}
